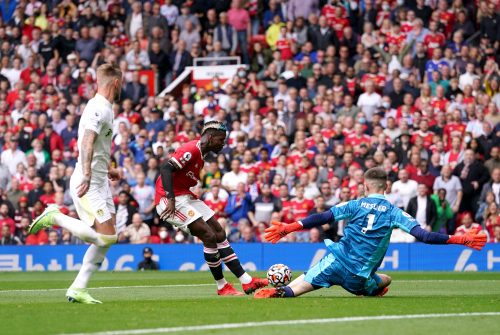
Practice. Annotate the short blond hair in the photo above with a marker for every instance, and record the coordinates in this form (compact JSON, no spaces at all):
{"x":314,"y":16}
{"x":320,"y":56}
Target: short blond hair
{"x":106,"y":73}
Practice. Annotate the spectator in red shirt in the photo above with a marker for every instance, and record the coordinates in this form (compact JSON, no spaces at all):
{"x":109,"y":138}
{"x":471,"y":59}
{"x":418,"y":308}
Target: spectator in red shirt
{"x":51,"y":140}
{"x":48,"y":196}
{"x":466,"y":225}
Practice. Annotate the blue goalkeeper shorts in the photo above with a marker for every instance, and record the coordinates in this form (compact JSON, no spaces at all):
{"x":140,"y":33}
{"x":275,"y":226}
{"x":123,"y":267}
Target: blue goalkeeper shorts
{"x":329,"y":272}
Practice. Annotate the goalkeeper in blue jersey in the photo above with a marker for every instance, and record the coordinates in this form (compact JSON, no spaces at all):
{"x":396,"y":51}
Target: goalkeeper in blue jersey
{"x":353,"y":261}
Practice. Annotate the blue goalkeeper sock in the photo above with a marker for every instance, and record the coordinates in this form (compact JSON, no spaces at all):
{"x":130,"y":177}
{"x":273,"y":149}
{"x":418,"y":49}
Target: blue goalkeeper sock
{"x":287,"y":292}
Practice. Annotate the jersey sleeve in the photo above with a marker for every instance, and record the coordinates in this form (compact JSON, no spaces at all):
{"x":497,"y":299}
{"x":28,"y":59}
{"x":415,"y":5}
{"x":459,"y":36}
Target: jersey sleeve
{"x":403,"y":220}
{"x":182,"y":156}
{"x":344,"y":210}
{"x":95,"y":121}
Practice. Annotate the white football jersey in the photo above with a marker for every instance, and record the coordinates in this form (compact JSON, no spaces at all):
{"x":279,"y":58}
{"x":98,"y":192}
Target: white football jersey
{"x":98,"y":117}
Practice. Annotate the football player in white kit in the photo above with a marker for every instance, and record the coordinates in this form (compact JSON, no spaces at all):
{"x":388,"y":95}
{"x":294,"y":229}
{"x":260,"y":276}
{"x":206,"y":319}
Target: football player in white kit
{"x":89,"y":185}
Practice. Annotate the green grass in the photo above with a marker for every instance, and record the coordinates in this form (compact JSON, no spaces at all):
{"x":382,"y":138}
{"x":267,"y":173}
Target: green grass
{"x":45,"y":311}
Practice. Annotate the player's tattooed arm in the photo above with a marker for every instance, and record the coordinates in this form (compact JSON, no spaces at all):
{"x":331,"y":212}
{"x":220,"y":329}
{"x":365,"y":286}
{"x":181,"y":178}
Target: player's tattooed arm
{"x":87,"y":152}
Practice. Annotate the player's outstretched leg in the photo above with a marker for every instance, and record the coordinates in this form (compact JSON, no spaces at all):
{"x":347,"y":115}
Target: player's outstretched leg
{"x":92,"y":261}
{"x":296,"y":288}
{"x":52,"y":216}
{"x":212,"y":256}
{"x":231,"y":260}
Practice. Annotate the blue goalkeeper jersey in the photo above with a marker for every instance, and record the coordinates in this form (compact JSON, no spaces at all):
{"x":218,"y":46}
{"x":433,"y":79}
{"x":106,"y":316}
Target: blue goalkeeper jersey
{"x":366,"y":237}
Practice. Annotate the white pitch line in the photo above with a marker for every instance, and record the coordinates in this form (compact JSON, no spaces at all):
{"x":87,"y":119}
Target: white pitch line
{"x":285,"y":323}
{"x":107,"y":287}
{"x":194,"y":285}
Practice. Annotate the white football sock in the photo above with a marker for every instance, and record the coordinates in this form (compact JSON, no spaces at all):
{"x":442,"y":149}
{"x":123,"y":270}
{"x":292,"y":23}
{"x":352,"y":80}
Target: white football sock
{"x":91,"y":262}
{"x":221,"y":283}
{"x":80,"y":229}
{"x":245,"y":278}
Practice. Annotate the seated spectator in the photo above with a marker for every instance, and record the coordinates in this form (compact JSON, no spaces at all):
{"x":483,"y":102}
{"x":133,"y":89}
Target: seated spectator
{"x":239,"y":205}
{"x":265,"y":204}
{"x":491,"y":217}
{"x":496,"y":234}
{"x":248,"y":235}
{"x":53,"y":238}
{"x":148,"y":263}
{"x":138,"y":232}
{"x":483,"y":206}
{"x":8,"y":238}
{"x":466,"y":225}
{"x":315,"y":235}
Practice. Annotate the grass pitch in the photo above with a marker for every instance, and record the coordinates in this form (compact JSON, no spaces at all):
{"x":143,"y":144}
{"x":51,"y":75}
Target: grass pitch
{"x":186,"y":303}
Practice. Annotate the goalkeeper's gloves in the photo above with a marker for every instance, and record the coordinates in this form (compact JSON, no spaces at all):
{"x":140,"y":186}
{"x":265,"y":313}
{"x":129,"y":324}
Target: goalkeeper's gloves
{"x":278,"y":230}
{"x":473,"y":241}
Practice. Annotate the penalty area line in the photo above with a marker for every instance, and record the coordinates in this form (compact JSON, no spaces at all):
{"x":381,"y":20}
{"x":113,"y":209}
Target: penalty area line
{"x":285,"y":323}
{"x":108,"y":288}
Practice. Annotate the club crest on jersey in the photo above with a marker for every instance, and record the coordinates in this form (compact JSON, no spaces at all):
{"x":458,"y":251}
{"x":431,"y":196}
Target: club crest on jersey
{"x":186,"y":157}
{"x":191,"y":213}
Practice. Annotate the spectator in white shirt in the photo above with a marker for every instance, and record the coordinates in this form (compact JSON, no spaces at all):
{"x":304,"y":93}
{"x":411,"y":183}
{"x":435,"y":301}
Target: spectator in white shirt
{"x":13,"y":156}
{"x":231,"y":179}
{"x":406,"y":188}
{"x":138,"y":232}
{"x":137,"y":58}
{"x":170,"y":12}
{"x":370,"y":100}
{"x":134,"y":20}
{"x":12,"y":73}
{"x":468,"y":77}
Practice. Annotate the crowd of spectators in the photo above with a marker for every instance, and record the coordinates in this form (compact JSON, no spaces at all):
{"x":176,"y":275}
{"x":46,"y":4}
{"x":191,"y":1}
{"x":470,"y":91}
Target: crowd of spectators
{"x":330,"y":89}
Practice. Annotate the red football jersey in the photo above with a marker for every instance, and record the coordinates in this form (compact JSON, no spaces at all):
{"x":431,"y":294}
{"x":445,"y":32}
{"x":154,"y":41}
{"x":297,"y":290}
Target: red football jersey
{"x":189,"y":162}
{"x":329,"y":12}
{"x":216,"y":205}
{"x":249,"y":168}
{"x":338,"y":24}
{"x":396,"y":39}
{"x":356,"y":141}
{"x":447,"y":19}
{"x":473,"y":229}
{"x":427,"y":137}
{"x":406,"y":26}
{"x":433,"y":41}
{"x":301,"y":208}
{"x":284,"y":46}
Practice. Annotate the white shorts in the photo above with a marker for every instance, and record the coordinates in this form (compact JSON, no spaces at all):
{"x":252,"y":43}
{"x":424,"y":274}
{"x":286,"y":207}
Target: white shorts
{"x":187,"y":210}
{"x":96,"y":204}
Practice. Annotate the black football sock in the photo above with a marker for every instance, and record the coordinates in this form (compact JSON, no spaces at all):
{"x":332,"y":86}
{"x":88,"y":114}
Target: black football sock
{"x":214,"y":262}
{"x":232,"y":262}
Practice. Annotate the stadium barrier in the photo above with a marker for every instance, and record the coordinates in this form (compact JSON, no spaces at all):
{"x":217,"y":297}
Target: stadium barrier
{"x":254,"y":256}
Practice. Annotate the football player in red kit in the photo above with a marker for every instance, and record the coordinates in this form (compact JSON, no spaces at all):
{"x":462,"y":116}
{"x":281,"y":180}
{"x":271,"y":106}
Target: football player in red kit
{"x":177,"y":205}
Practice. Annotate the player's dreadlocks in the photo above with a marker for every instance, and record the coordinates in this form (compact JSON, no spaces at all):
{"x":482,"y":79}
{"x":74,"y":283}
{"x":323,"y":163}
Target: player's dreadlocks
{"x":213,"y":126}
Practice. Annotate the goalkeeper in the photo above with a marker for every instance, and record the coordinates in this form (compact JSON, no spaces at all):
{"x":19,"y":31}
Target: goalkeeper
{"x":353,"y":261}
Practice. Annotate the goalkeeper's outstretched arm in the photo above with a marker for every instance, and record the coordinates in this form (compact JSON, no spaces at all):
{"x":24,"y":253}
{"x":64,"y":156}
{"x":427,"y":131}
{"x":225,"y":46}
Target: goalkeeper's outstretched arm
{"x":476,"y":242}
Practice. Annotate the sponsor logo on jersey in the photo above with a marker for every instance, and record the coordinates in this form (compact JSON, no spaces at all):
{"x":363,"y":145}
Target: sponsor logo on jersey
{"x":100,"y":212}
